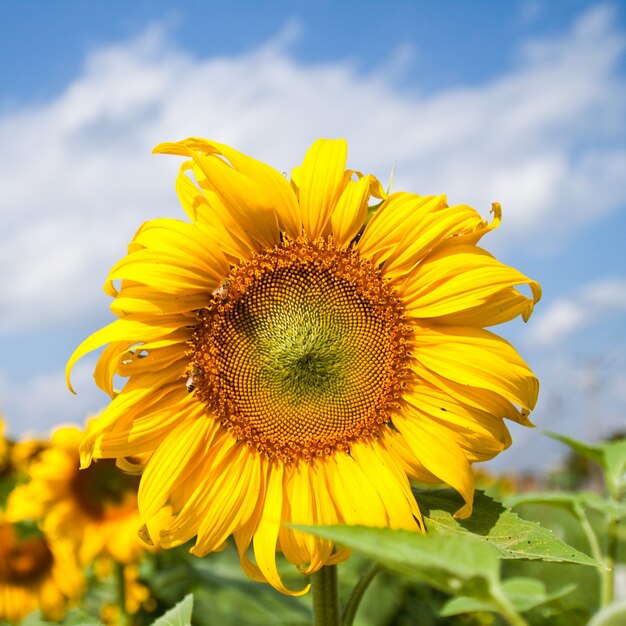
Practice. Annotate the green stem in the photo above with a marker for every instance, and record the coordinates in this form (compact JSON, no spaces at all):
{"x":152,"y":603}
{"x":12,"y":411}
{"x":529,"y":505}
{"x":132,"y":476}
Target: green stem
{"x":124,"y":619}
{"x":325,"y":597}
{"x":612,"y":546}
{"x":592,"y":538}
{"x":506,"y":609}
{"x":354,"y":600}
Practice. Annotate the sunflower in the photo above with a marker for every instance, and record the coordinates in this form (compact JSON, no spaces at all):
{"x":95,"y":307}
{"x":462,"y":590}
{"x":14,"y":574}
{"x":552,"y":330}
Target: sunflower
{"x":294,"y":355}
{"x":36,"y":572}
{"x":96,"y":508}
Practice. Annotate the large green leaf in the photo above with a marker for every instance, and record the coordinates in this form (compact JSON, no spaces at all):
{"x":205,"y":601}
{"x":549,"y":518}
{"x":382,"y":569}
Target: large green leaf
{"x":180,"y":615}
{"x":453,"y":564}
{"x":492,"y":523}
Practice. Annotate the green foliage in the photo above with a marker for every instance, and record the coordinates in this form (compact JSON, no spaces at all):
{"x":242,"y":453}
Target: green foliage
{"x":461,"y":558}
{"x":222,"y":593}
{"x":524,"y":593}
{"x":614,"y":615}
{"x":548,"y":563}
{"x":610,"y":455}
{"x":493,"y":523}
{"x":180,"y":615}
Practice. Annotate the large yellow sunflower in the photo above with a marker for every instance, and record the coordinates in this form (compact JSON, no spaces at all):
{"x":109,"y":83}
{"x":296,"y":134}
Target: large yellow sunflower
{"x":96,"y":508}
{"x":36,"y":572}
{"x":292,"y":361}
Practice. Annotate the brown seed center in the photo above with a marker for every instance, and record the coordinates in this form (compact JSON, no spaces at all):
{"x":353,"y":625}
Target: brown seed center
{"x":306,"y":352}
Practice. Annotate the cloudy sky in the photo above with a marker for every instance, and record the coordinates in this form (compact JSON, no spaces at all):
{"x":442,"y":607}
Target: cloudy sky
{"x":522,"y":102}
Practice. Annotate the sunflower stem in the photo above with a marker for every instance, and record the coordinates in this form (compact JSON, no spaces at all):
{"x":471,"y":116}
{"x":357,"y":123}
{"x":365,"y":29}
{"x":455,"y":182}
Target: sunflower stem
{"x":356,"y":596}
{"x":124,"y":619}
{"x":506,"y":609}
{"x":608,"y":577}
{"x":325,"y":597}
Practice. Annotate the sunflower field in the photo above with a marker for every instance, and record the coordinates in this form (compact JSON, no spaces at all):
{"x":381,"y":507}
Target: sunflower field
{"x":549,"y":553}
{"x":301,"y":380}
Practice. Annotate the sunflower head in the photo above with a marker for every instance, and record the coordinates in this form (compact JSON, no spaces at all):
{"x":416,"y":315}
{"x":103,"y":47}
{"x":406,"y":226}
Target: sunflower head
{"x":96,"y":508}
{"x":36,"y":572}
{"x":299,"y":351}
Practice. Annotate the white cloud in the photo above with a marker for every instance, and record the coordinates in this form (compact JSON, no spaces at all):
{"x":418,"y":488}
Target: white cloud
{"x":77,"y":178}
{"x":546,"y":139}
{"x":36,"y":405}
{"x":591,"y":304}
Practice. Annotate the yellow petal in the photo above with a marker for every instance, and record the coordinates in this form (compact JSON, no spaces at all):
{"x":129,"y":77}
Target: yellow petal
{"x":478,"y":358}
{"x":480,"y":434}
{"x":266,"y":536}
{"x":209,"y":214}
{"x":136,"y":330}
{"x":356,"y":499}
{"x":458,"y":278}
{"x":498,"y":308}
{"x":407,"y":227}
{"x":385,"y":229}
{"x":141,"y":299}
{"x":190,"y":502}
{"x":320,"y":183}
{"x":482,"y":399}
{"x":248,"y":199}
{"x":186,"y":242}
{"x":351,"y":209}
{"x":302,"y":507}
{"x":177,"y":456}
{"x":136,"y":422}
{"x":438,"y":452}
{"x":233,"y":497}
{"x":298,"y":547}
{"x":390,"y":482}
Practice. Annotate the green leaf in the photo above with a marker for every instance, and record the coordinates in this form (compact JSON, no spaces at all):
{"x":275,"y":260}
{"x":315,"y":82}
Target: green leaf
{"x":568,"y":501}
{"x":611,"y":456}
{"x":523,"y":593}
{"x":527,"y":593}
{"x":452,"y":564}
{"x":463,"y":604}
{"x":593,"y":453}
{"x":491,"y":523}
{"x":180,"y":615}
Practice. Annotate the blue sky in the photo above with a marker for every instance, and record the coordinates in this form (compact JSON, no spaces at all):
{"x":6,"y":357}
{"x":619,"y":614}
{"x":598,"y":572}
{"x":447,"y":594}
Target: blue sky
{"x":523,"y":102}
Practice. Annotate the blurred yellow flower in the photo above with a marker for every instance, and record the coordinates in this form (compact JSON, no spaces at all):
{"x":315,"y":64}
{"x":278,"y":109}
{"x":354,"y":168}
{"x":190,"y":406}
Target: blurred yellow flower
{"x":5,"y":450}
{"x":36,"y":572}
{"x":26,"y":450}
{"x":295,"y":357}
{"x":96,"y":508}
{"x":136,"y":594}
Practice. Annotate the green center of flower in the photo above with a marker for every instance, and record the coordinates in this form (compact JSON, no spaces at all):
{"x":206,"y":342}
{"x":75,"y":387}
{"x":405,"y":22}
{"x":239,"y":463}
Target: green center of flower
{"x":306,"y":360}
{"x":305,"y":354}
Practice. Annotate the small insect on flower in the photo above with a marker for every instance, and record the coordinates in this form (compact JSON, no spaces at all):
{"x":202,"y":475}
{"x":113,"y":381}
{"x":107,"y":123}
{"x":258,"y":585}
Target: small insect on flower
{"x":194,"y":374}
{"x":222,"y":290}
